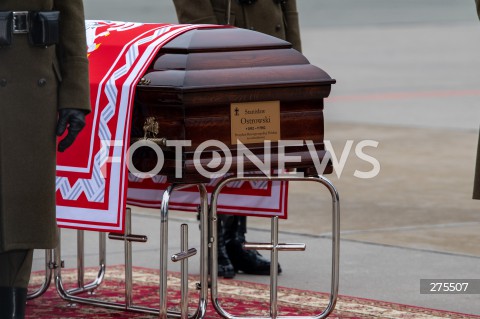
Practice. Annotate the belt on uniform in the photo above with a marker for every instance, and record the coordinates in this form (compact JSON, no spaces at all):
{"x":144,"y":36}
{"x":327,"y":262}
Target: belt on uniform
{"x":41,"y":26}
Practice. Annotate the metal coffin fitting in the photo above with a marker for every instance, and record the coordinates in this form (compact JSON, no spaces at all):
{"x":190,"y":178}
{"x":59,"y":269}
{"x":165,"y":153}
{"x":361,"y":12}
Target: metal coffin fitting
{"x":21,"y":23}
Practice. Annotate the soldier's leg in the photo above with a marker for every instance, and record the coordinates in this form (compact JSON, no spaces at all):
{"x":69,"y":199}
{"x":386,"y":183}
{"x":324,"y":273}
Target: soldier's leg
{"x":247,"y":261}
{"x":225,"y":267}
{"x":15,"y":269}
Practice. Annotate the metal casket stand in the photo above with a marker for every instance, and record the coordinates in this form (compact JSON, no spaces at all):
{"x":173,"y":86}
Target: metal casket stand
{"x":208,"y":225}
{"x":49,"y":266}
{"x":71,"y":295}
{"x":274,"y":246}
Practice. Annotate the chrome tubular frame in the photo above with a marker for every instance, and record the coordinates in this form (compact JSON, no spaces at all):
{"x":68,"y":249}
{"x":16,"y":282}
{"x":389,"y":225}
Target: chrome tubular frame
{"x":81,"y":286}
{"x":274,"y":246}
{"x":70,"y":294}
{"x":203,"y":209}
{"x":53,"y":262}
{"x":163,"y":312}
{"x":208,"y":244}
{"x":49,"y":266}
{"x":183,"y":258}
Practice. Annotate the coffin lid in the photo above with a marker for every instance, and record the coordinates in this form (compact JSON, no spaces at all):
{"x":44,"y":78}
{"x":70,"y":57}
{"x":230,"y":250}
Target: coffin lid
{"x":222,"y":58}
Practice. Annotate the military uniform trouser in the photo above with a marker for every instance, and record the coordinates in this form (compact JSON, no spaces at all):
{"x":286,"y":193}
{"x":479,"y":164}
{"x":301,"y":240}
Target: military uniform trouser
{"x":15,"y":268}
{"x":235,"y":227}
{"x":476,"y":183}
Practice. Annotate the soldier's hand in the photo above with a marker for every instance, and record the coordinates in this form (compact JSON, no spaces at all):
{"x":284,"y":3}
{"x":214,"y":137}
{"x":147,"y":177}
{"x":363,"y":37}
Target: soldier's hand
{"x":74,"y":121}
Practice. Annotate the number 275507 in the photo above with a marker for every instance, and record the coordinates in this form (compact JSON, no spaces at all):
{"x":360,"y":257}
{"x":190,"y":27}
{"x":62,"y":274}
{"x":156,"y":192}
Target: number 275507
{"x":448,"y":286}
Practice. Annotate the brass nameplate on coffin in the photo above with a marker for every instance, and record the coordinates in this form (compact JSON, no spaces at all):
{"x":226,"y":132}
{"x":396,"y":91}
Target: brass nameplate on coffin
{"x":255,"y":122}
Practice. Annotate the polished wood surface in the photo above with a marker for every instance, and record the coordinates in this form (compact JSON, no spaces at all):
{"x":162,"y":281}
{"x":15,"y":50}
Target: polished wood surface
{"x":195,"y":78}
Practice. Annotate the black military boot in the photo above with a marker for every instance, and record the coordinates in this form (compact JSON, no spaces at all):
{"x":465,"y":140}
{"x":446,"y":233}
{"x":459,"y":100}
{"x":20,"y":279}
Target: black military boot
{"x":225,"y":267}
{"x":13,"y":301}
{"x":247,"y":261}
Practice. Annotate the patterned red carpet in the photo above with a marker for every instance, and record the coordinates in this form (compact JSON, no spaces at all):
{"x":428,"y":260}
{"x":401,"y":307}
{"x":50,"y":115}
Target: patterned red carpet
{"x":238,"y":298}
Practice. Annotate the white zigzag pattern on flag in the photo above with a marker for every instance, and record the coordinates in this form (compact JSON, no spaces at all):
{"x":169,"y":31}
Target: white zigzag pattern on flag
{"x":94,"y":188}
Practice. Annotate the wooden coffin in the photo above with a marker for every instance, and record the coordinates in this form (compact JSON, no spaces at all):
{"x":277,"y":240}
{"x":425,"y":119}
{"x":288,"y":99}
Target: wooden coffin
{"x":204,"y":81}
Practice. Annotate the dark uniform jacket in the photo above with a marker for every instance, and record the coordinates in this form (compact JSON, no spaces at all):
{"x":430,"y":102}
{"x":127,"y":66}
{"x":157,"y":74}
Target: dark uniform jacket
{"x":34,"y":83}
{"x":478,"y":7}
{"x":476,"y":184}
{"x":266,"y":16}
